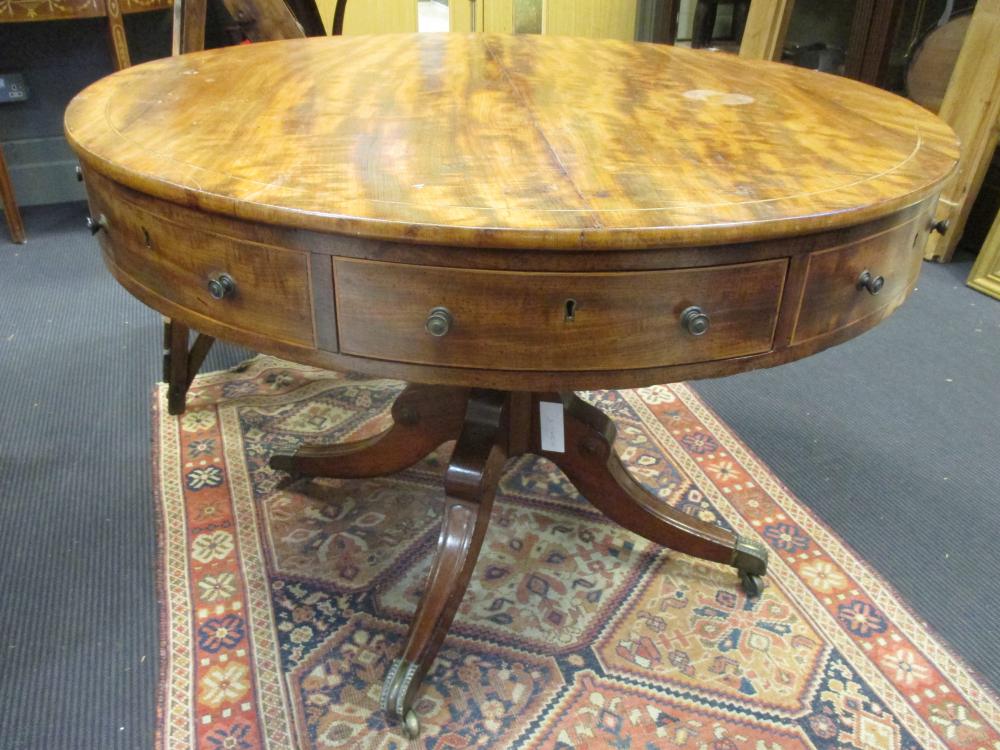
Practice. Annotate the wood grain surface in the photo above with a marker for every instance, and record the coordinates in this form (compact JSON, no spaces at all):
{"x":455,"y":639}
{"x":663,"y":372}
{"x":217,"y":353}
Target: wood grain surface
{"x":165,"y":254}
{"x":829,"y":303}
{"x":519,"y":321}
{"x":511,"y":141}
{"x":347,"y":190}
{"x":272,"y":291}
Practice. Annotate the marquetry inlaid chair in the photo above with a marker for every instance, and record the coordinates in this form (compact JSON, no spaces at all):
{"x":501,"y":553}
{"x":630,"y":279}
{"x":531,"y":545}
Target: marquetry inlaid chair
{"x":24,"y":11}
{"x":10,"y":210}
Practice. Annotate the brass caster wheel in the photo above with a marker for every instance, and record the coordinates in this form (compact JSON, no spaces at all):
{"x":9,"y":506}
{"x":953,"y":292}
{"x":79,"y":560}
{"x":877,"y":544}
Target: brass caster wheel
{"x":750,"y":559}
{"x":752,"y":585}
{"x":411,"y":725}
{"x":397,"y":693}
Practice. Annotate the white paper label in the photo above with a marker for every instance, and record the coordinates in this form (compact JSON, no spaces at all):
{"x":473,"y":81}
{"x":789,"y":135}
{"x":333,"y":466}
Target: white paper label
{"x":553,"y":433}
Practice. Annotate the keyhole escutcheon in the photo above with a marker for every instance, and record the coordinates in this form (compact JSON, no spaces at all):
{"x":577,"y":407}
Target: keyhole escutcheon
{"x":570,"y":310}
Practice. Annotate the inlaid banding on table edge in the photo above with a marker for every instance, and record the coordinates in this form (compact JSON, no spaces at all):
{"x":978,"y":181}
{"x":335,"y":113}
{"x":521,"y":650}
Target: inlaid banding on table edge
{"x":534,"y":216}
{"x":507,"y":167}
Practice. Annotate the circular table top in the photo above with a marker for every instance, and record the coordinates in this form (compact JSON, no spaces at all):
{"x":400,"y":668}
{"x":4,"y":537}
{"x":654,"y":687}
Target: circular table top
{"x":511,"y":141}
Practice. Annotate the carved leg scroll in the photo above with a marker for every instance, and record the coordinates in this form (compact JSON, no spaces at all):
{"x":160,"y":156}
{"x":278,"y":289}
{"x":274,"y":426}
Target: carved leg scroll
{"x":591,"y":464}
{"x":470,"y":484}
{"x":180,"y":365}
{"x":423,"y":416}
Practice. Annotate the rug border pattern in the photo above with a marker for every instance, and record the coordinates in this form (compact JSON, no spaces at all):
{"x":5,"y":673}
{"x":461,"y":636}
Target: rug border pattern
{"x":880,"y":592}
{"x":260,"y":616}
{"x":176,"y":664}
{"x":801,"y":595}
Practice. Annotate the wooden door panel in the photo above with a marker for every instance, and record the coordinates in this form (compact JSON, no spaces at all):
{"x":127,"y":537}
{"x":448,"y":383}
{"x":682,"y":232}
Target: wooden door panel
{"x":610,"y":19}
{"x":373,"y":16}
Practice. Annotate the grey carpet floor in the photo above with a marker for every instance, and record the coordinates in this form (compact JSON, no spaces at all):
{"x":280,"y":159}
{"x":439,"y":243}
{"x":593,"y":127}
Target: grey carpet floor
{"x":892,"y":439}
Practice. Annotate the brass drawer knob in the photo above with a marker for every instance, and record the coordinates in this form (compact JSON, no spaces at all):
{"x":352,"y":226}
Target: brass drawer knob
{"x":872,"y":283}
{"x":439,"y":321}
{"x":96,"y":225}
{"x":221,"y":286}
{"x":695,"y":320}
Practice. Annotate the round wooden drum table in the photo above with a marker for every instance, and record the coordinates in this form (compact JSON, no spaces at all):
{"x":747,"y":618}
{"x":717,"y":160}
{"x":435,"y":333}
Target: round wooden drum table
{"x":500,"y":220}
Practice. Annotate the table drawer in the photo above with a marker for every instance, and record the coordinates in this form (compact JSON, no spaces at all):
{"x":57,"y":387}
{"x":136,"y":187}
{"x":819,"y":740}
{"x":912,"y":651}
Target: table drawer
{"x":833,"y":296}
{"x":271,"y":294}
{"x":554,"y":321}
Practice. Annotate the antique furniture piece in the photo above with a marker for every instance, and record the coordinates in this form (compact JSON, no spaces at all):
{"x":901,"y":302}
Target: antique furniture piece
{"x":259,"y":21}
{"x":15,"y":225}
{"x":932,"y":60}
{"x":705,"y":14}
{"x":971,"y":106}
{"x":869,"y":43}
{"x":503,"y":219}
{"x":928,"y":80}
{"x":765,"y":30}
{"x":20,"y":11}
{"x":656,"y":21}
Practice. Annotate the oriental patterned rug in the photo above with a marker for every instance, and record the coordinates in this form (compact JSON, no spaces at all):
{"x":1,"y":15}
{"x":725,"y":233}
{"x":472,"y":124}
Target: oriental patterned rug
{"x":282,"y":609}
